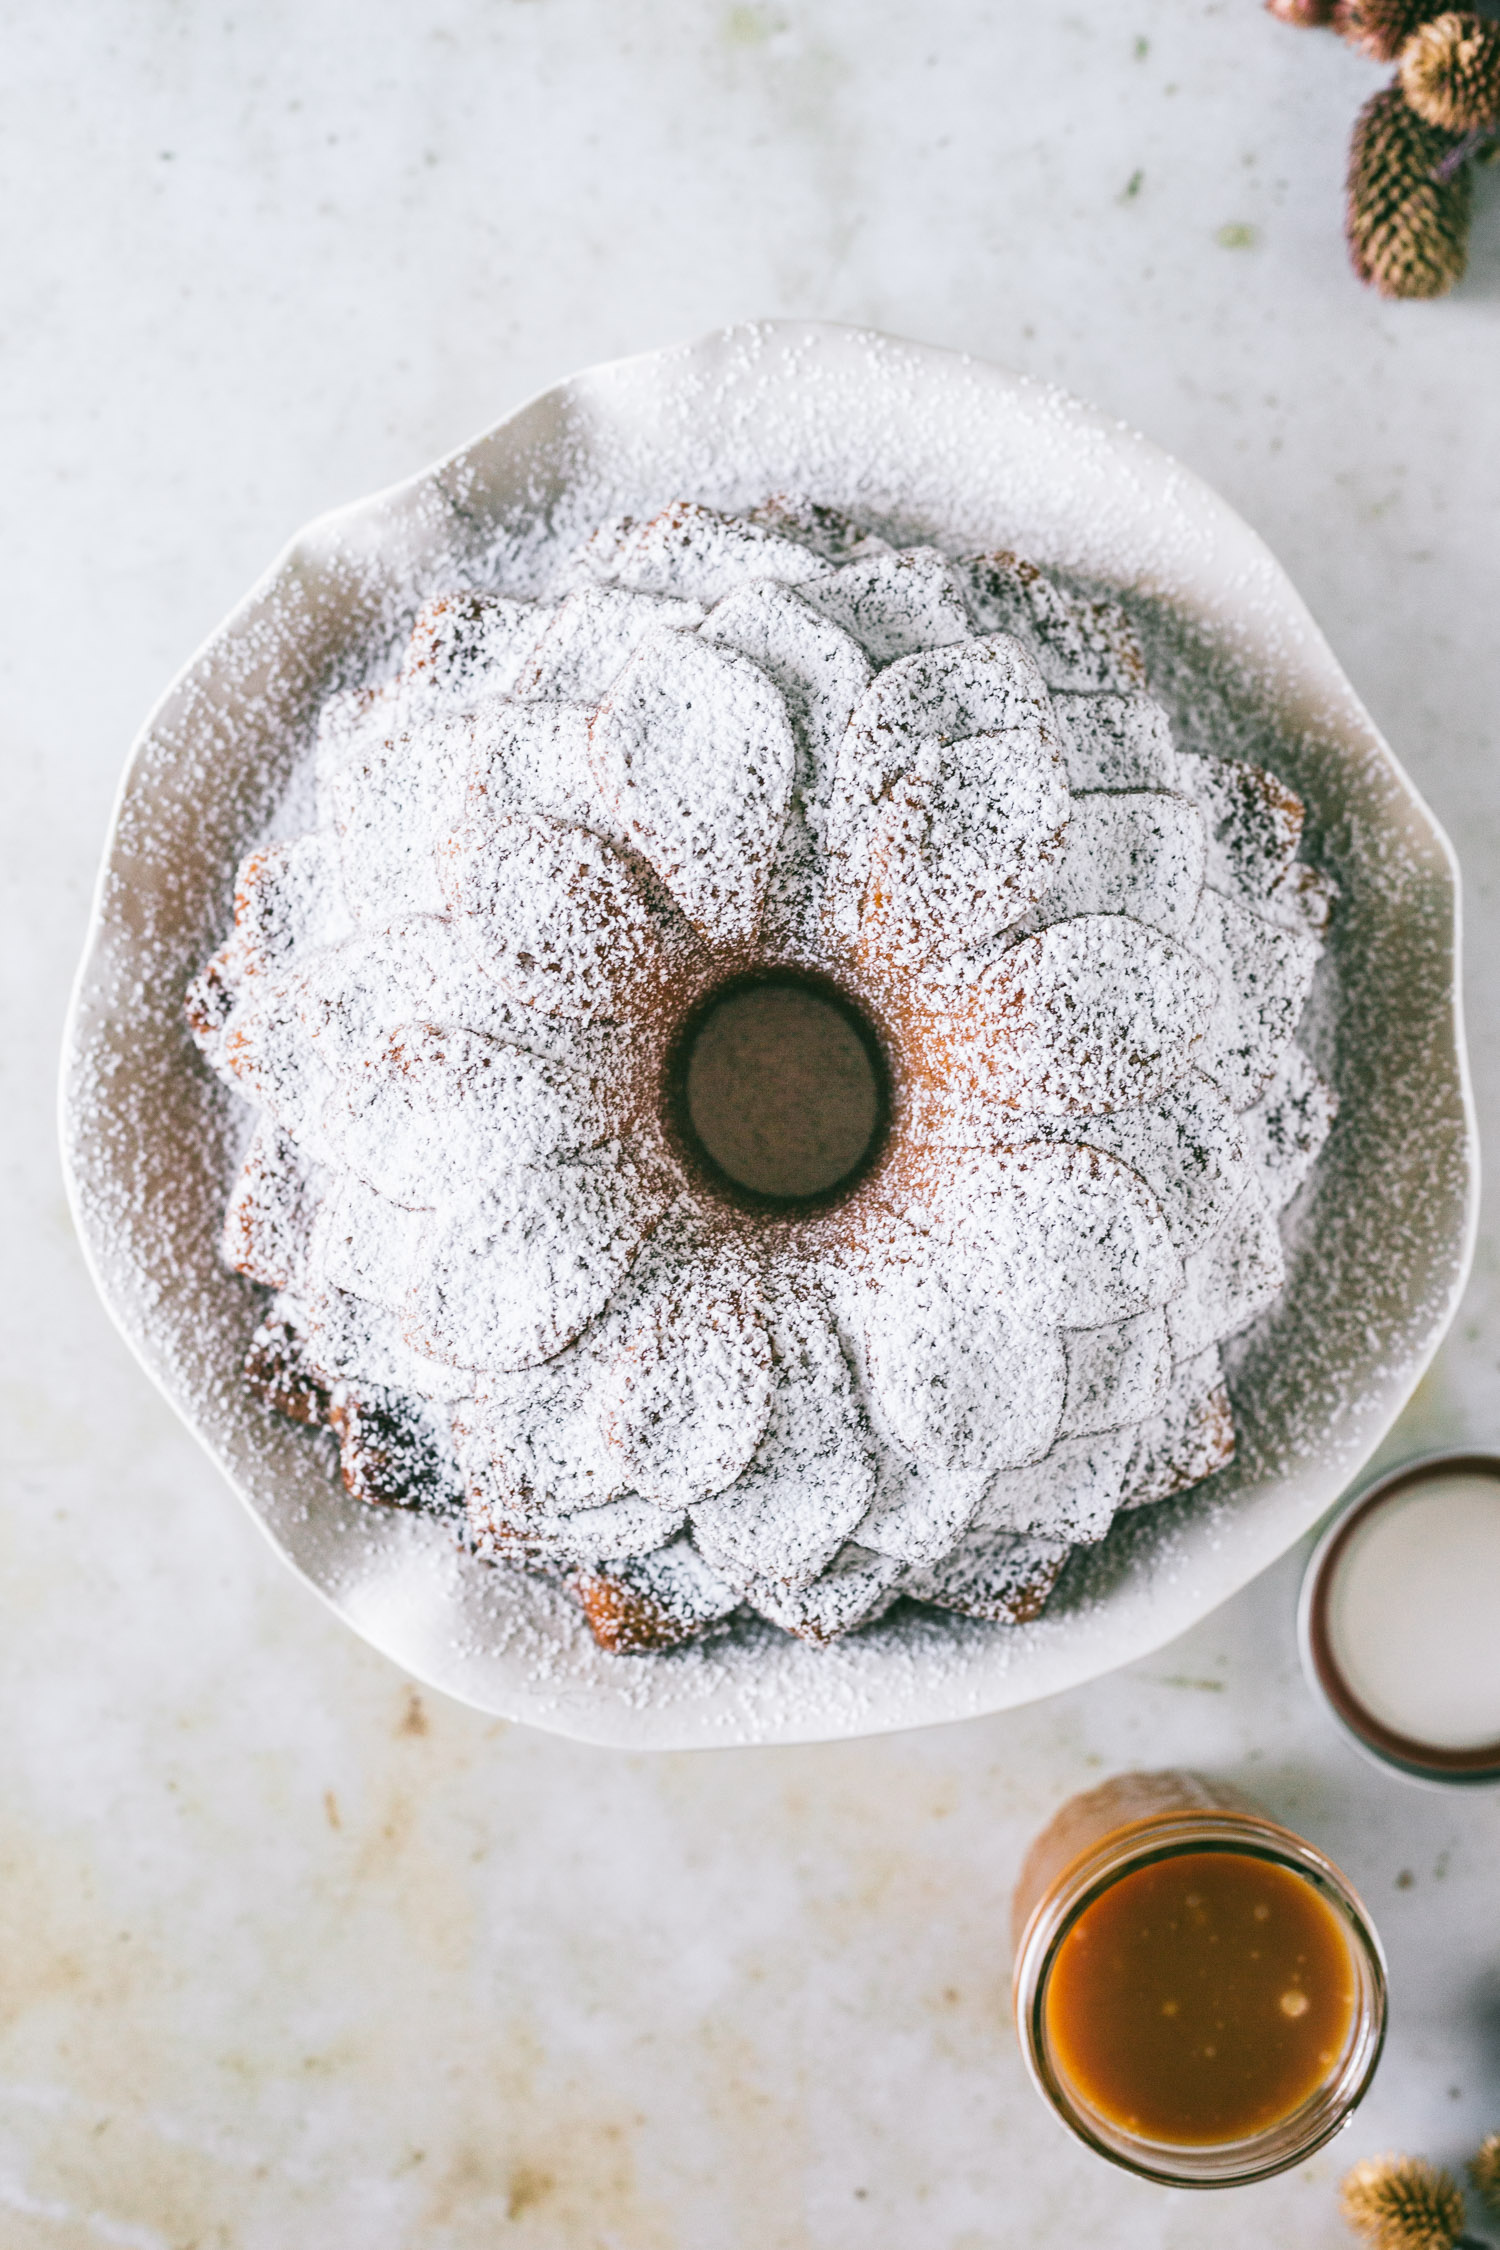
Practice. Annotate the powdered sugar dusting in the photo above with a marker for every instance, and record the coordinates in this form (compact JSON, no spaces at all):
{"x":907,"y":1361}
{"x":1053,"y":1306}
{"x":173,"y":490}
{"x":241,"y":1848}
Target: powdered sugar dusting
{"x":1068,"y":1213}
{"x":693,"y":749}
{"x":1099,"y":1013}
{"x":895,"y":604}
{"x":336,"y":1013}
{"x":813,"y":1475}
{"x":689,"y":1395}
{"x":508,"y":1279}
{"x":552,"y":913}
{"x":965,"y":1384}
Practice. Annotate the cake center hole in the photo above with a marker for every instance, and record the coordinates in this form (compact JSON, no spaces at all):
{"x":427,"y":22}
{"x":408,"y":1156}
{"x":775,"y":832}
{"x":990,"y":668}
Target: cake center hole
{"x":783,"y":1089}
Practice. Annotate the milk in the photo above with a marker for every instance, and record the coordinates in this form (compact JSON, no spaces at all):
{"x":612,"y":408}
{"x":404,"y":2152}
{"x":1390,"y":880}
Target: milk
{"x":1414,"y":1612}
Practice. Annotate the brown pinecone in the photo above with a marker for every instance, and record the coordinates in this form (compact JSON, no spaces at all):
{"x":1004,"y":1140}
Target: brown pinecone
{"x":1407,"y":232}
{"x":1450,"y":72}
{"x":1403,"y":2203}
{"x":1309,"y":12}
{"x":1381,"y":27}
{"x":1484,"y":2171}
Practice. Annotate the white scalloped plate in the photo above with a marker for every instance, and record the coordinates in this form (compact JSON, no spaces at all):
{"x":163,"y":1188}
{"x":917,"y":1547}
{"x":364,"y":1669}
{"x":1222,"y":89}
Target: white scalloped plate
{"x":922,"y":443}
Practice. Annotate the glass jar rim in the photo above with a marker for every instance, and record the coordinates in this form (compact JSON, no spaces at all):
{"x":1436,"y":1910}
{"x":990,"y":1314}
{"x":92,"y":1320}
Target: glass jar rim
{"x":1145,"y":1842}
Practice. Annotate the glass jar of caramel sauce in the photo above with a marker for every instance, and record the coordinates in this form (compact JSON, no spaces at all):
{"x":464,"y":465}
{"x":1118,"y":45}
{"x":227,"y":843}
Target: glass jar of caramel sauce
{"x":1199,"y":1993}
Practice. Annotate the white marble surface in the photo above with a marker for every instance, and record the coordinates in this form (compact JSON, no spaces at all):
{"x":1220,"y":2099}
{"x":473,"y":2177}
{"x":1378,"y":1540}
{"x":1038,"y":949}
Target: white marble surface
{"x":293,"y":1958}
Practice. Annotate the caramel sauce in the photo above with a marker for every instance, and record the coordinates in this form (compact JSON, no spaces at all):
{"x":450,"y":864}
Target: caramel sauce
{"x":1201,"y":1998}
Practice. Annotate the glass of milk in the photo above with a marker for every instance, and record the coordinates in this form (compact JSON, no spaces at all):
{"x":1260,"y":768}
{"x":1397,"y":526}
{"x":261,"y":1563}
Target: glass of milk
{"x":1400,"y":1618}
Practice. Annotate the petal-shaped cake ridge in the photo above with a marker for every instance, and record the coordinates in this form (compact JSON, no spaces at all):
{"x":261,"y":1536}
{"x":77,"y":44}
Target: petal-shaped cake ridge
{"x":432,"y":1109}
{"x":555,"y":914}
{"x":1092,"y":1015}
{"x":638,"y":1605}
{"x":465,"y":651}
{"x":1231,"y":1280}
{"x":919,"y":1511}
{"x":273,"y":1063}
{"x":348,"y":995}
{"x":1188,"y":1146}
{"x":531,"y":758}
{"x":464,"y":647}
{"x":271,"y":1208}
{"x":819,"y":669}
{"x":1254,"y":824}
{"x":821,"y":673}
{"x":813,"y":1476}
{"x":1117,"y":742}
{"x":1135,"y":852}
{"x":895,"y":603}
{"x":1187,"y":1440}
{"x":510,"y":1278}
{"x":1080,"y":641}
{"x":962,"y":1383}
{"x":1074,"y":1494}
{"x":1264,"y":976}
{"x":1062,"y":1235}
{"x":339,"y":1001}
{"x":366,"y":1245}
{"x":620,"y":1530}
{"x":288,"y":899}
{"x":532,"y":1445}
{"x":826,"y":531}
{"x":356,"y":719}
{"x":696,"y":553}
{"x":993,"y":1575}
{"x":1117,"y":1374}
{"x":687,"y":1397}
{"x":590,"y":637}
{"x":974,"y":687}
{"x":626,"y":1529}
{"x":390,"y":805}
{"x":854,"y":1589}
{"x":350,"y":1339}
{"x":962,"y":845}
{"x":778,"y":747}
{"x":1285,"y":1130}
{"x":694,"y":753}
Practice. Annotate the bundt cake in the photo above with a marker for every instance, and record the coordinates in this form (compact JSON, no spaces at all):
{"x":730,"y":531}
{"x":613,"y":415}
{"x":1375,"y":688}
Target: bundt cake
{"x":775,"y":1077}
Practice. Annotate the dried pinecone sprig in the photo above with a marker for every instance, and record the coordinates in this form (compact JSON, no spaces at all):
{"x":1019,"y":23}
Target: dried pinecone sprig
{"x":1484,"y":2170}
{"x":1403,"y":2203}
{"x":1407,"y":228}
{"x":1409,"y":182}
{"x":1450,"y":72}
{"x":1380,"y":27}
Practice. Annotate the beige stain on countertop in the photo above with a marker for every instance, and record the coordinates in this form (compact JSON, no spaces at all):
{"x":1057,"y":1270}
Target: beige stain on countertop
{"x":391,"y":1975}
{"x":354,"y":2003}
{"x":383,"y":2029}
